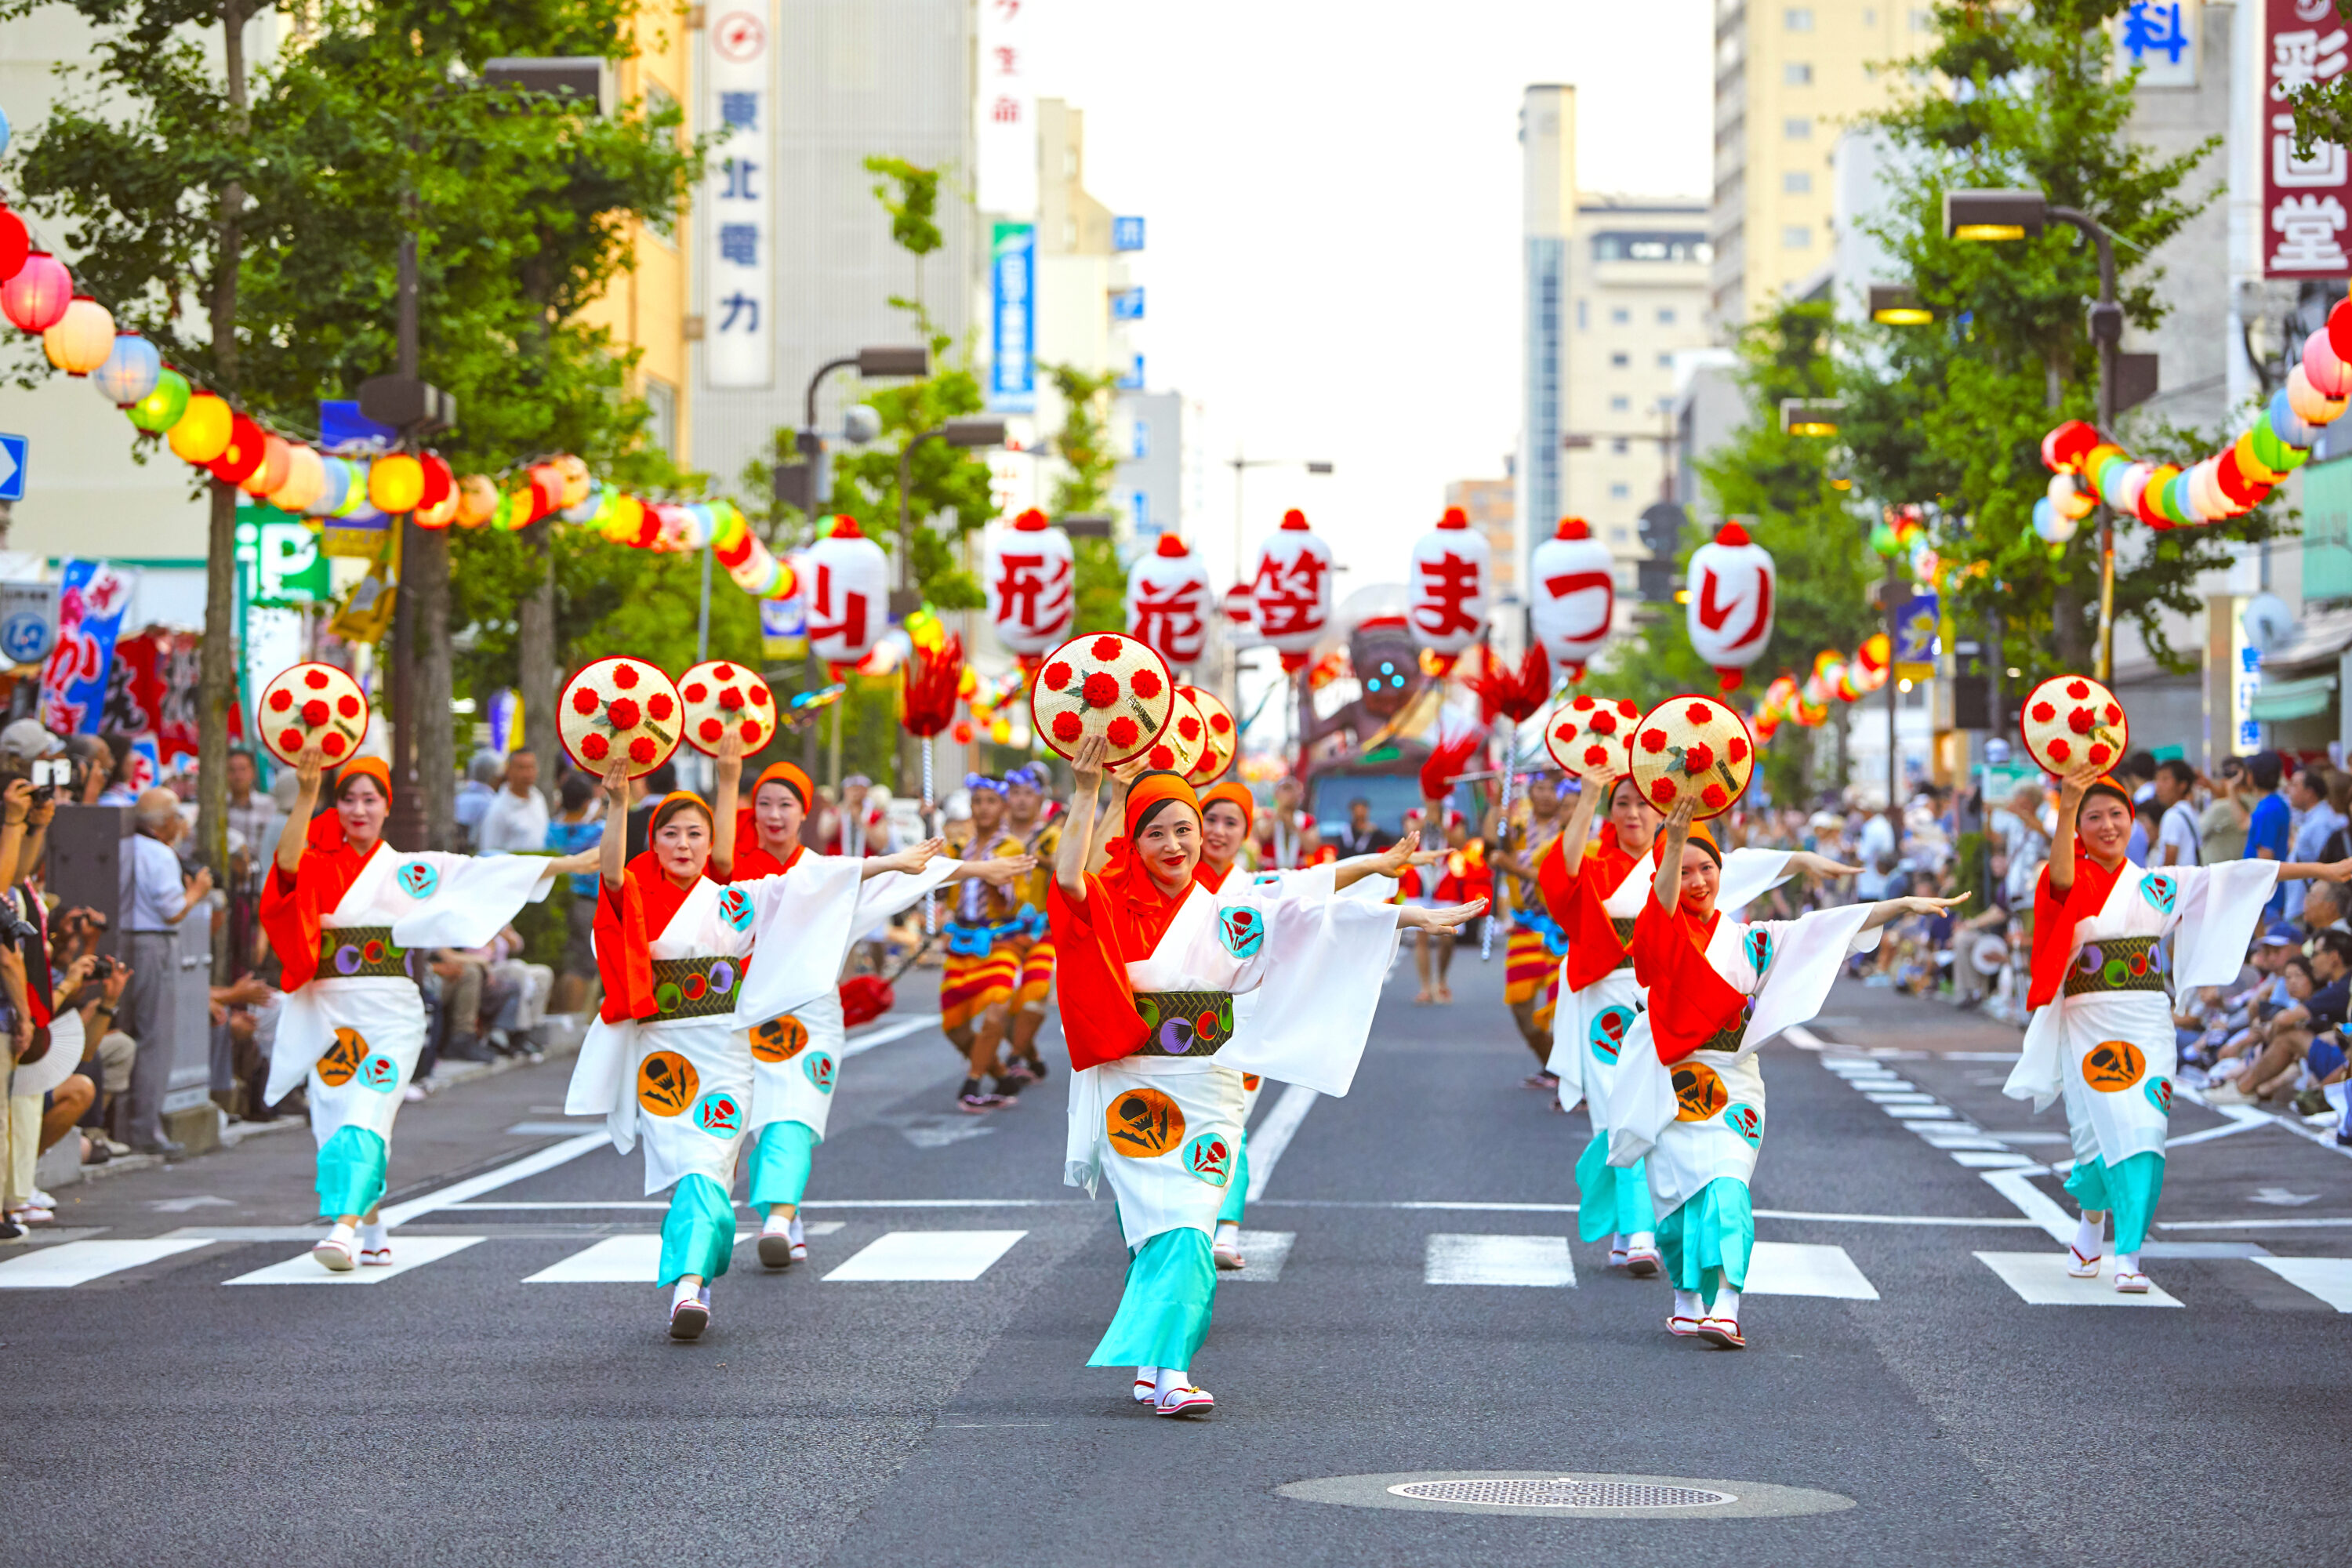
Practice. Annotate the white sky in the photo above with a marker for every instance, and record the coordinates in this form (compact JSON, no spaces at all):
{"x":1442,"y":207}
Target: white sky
{"x":1333,"y":194}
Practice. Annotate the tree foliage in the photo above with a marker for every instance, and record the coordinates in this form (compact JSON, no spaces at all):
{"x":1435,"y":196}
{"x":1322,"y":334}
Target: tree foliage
{"x":1952,"y":416}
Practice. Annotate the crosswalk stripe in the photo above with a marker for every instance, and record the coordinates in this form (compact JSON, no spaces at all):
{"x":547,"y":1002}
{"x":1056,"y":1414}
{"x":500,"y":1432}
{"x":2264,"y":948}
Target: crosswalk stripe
{"x":1989,"y":1159}
{"x":615,"y":1261}
{"x":1806,"y":1269}
{"x":2329,"y":1278}
{"x":79,"y":1262}
{"x":2040,"y":1279}
{"x":928,"y":1255}
{"x":1920,"y":1112}
{"x":1497,"y":1260}
{"x":407,"y":1252}
{"x":1265,"y":1251}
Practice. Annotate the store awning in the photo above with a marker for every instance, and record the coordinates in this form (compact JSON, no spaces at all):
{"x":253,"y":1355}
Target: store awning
{"x":2278,"y":699}
{"x":2323,"y":635}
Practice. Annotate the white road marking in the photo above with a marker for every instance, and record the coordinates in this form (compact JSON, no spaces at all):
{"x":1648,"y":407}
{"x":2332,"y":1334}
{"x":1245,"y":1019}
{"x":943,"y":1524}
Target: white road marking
{"x":1977,"y":1159}
{"x":615,"y":1261}
{"x":928,"y":1255}
{"x":1805,"y":1268}
{"x":530,"y":1164}
{"x":2036,"y":1206}
{"x":2040,"y":1279}
{"x":407,"y":1252}
{"x":1265,"y":1251}
{"x":883,"y":1034}
{"x":77,"y":1262}
{"x":2224,"y":1131}
{"x":555,"y":1129}
{"x":1272,"y":1133}
{"x":1497,"y":1260}
{"x":2251,"y":1223}
{"x":1920,"y":1112}
{"x":2329,"y":1278}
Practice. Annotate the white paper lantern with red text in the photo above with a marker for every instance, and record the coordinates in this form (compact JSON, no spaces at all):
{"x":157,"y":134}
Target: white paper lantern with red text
{"x":848,"y":587}
{"x":1032,"y":584}
{"x":1290,"y":592}
{"x":1572,"y":596}
{"x":1168,"y":601}
{"x":1730,"y":607}
{"x":1452,"y":568}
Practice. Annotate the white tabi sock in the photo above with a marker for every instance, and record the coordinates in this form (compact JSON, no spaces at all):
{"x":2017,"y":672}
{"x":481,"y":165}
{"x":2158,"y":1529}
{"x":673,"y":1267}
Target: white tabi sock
{"x":1170,"y":1379}
{"x":1686,"y":1304}
{"x":778,"y":1223}
{"x":792,"y":1231}
{"x":1726,"y":1304}
{"x":2128,"y":1263}
{"x":374,"y":1237}
{"x":1642,"y":1241}
{"x":1229,"y":1233}
{"x":2089,"y":1237}
{"x":683,"y":1293}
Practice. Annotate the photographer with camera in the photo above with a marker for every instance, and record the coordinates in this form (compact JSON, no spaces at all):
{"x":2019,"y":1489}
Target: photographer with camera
{"x":157,"y":899}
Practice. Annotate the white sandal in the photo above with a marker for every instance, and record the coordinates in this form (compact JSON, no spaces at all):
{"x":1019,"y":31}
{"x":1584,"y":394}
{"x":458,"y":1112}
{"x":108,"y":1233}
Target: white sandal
{"x":2082,"y":1268}
{"x":1186,"y":1400}
{"x":1723,"y":1332}
{"x":1147,"y":1389}
{"x":2128,"y":1283}
{"x":335,"y":1254}
{"x":1682,"y":1327}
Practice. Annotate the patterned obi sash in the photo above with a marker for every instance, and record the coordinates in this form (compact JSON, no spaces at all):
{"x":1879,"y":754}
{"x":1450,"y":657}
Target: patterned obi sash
{"x":977,"y":939}
{"x":1186,"y":1023}
{"x":361,"y":952}
{"x":695,"y":987}
{"x":1623,"y":926}
{"x":2118,"y":963}
{"x":1540,"y":922}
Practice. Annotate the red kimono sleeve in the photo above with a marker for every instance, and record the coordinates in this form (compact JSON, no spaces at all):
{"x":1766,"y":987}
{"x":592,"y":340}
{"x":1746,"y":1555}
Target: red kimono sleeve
{"x":2055,"y":915}
{"x":1558,"y":878}
{"x":1100,"y":1022}
{"x":290,"y":918}
{"x":623,"y":953}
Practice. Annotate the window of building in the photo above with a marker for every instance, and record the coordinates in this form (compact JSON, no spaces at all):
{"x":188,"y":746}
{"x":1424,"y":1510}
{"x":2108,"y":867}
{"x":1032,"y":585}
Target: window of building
{"x":1797,"y":183}
{"x":661,"y":406}
{"x":1798,"y":128}
{"x":1621,"y":317}
{"x":1141,"y":447}
{"x":1619,"y":535}
{"x":1922,"y":21}
{"x":1619,"y":447}
{"x":1665,"y":361}
{"x":1797,"y":236}
{"x":1621,"y":360}
{"x":1798,"y":19}
{"x":1665,"y":315}
{"x":1621,"y":405}
{"x":1581,"y":321}
{"x":1621,"y":492}
{"x":1797,"y":74}
{"x":1650,"y":247}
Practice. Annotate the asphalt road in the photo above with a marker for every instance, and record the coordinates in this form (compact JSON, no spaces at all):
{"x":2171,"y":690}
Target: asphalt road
{"x":461,"y":1413}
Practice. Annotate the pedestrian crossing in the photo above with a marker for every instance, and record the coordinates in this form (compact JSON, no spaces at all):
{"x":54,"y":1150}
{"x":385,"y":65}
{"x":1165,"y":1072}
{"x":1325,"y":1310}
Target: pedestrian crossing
{"x":1817,"y":1269}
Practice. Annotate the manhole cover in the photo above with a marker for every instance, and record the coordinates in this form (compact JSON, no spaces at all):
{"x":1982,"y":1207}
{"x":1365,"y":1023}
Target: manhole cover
{"x":1563,"y":1492}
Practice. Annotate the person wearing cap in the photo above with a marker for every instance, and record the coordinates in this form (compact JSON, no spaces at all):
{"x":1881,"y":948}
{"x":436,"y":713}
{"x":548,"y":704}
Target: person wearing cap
{"x":1227,"y":813}
{"x":2102,"y":1035}
{"x":984,"y":934}
{"x":1595,"y":888}
{"x":1040,"y":835}
{"x":1692,"y":1102}
{"x":342,"y":909}
{"x":1150,"y":961}
{"x":790,"y":1001}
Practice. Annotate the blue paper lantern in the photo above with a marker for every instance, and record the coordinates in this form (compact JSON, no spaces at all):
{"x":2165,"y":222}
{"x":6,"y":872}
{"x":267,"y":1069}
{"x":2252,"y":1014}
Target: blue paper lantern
{"x":131,"y":372}
{"x":335,"y":491}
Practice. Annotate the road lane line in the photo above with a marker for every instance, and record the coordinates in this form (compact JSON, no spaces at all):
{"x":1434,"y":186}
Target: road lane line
{"x":410,"y":1252}
{"x":2038,"y":1206}
{"x":1265,"y":1251}
{"x":883,"y":1034}
{"x":77,"y":1262}
{"x":960,"y":1255}
{"x":1539,"y":1260}
{"x":1272,"y":1133}
{"x":615,"y":1261}
{"x":2329,"y":1278}
{"x":530,"y":1164}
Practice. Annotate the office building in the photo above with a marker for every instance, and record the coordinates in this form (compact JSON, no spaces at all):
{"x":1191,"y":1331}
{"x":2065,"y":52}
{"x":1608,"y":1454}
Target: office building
{"x":1492,"y":507}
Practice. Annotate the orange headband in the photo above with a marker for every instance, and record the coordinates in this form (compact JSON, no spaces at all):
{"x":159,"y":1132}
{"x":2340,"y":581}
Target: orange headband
{"x":674,"y":801}
{"x":1153,"y":788}
{"x":374,"y":768}
{"x":1236,"y":792}
{"x":790,"y":775}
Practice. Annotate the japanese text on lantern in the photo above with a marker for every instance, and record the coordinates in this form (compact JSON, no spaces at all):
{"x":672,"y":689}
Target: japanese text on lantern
{"x":739,"y":200}
{"x":1031,"y":598}
{"x":837,"y":614}
{"x":1448,"y":583}
{"x":2307,"y":200}
{"x":1290,"y":594}
{"x":1170,"y":618}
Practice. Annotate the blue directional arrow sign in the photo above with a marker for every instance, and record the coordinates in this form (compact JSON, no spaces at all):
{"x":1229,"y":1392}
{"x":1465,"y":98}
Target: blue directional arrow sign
{"x":12,"y":467}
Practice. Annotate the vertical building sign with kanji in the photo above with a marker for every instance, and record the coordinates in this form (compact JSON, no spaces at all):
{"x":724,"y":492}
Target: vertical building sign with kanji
{"x":2159,"y":37}
{"x":2307,"y":199}
{"x":738,"y":198}
{"x":1004,"y":111}
{"x":1013,"y":318}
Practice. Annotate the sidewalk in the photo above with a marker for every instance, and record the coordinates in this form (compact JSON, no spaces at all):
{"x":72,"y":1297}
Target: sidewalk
{"x":61,"y":1166}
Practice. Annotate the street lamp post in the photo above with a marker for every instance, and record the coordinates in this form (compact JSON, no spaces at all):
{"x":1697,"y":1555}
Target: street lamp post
{"x":2020,"y":214}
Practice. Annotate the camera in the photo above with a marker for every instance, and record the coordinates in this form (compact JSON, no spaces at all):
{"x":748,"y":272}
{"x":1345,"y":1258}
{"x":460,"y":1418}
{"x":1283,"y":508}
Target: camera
{"x":15,"y":929}
{"x":51,"y":774}
{"x":101,"y":970}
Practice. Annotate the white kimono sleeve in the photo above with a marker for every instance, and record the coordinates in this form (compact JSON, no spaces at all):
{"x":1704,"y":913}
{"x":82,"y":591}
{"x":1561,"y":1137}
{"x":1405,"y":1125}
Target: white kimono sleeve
{"x":473,"y":898}
{"x":1325,"y":961}
{"x":1807,"y":953}
{"x":1642,"y":1100}
{"x":801,"y":925}
{"x":2220,"y":906}
{"x":1749,"y":874}
{"x":601,"y":1079}
{"x":885,"y":895}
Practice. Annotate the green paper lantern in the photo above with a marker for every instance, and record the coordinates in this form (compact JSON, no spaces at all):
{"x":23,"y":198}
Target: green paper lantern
{"x":160,"y":409}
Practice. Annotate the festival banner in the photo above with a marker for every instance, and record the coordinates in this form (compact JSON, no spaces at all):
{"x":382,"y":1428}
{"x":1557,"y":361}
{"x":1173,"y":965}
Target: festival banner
{"x":92,"y":598}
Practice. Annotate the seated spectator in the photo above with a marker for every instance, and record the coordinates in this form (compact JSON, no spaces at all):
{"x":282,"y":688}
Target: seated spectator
{"x":579,"y":823}
{"x":2321,"y":987}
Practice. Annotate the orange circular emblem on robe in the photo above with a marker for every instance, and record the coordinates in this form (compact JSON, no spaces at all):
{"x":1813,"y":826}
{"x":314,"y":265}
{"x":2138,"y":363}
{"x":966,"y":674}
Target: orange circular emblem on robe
{"x":667,"y":1083}
{"x":1143,"y":1124}
{"x":1699,"y":1092}
{"x":778,"y":1039}
{"x":2113,"y":1066}
{"x":342,"y":1059}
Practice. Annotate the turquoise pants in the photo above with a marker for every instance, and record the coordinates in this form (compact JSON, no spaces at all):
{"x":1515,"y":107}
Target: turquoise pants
{"x":1236,"y":1190}
{"x":1612,"y":1200}
{"x":1706,"y":1241}
{"x":699,"y":1232}
{"x":2129,"y":1189}
{"x":351,"y":1171}
{"x":1171,"y":1282}
{"x":780,"y":1163}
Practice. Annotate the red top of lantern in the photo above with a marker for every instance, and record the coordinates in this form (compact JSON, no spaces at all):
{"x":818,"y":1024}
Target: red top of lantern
{"x":1731,"y":534}
{"x":1171,"y":545}
{"x":1031,"y":522}
{"x":1454,"y":518}
{"x":846,"y":527}
{"x":1573,"y":528}
{"x":1295,"y":519}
